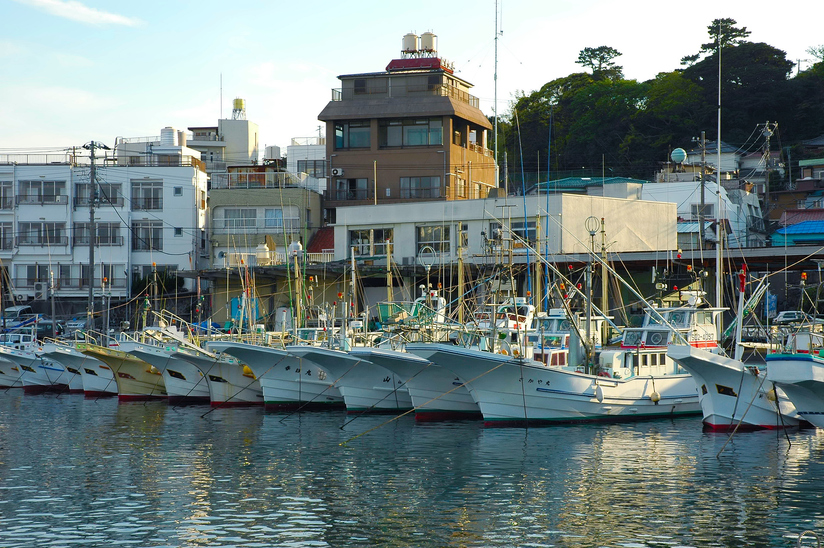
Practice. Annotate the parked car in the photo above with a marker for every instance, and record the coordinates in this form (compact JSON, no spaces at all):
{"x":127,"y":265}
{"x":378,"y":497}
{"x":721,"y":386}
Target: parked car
{"x":75,"y":324}
{"x":791,"y":316}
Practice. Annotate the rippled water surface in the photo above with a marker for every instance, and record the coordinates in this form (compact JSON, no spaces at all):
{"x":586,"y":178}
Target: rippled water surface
{"x":82,"y":472}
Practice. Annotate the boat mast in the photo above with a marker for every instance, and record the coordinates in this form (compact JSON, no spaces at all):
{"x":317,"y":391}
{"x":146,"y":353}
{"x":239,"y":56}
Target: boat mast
{"x":719,"y":264}
{"x":495,"y":98}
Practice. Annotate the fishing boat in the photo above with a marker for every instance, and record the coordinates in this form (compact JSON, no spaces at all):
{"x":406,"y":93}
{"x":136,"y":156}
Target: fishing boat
{"x":37,"y":375}
{"x":74,"y":380}
{"x":632,"y":382}
{"x":365,"y":386}
{"x":185,"y":383}
{"x":136,"y":379}
{"x":230,"y":382}
{"x":436,"y":393}
{"x":96,"y":377}
{"x":9,"y":374}
{"x":286,"y":384}
{"x":798,"y":369}
{"x":735,"y":395}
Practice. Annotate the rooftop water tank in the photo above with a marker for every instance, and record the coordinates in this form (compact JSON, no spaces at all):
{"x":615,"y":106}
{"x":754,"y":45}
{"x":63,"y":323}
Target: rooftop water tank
{"x":429,"y":42}
{"x":678,"y":155}
{"x":239,"y":104}
{"x":295,"y":248}
{"x":410,"y":43}
{"x":168,"y":137}
{"x":263,"y":255}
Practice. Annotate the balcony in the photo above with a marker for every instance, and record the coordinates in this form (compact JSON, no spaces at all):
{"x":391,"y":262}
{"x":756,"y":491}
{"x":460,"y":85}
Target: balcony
{"x":147,"y":204}
{"x":6,"y":202}
{"x":44,"y":199}
{"x":42,"y":241}
{"x":273,"y":179}
{"x":6,"y":243}
{"x":347,"y":195}
{"x":402,"y":89}
{"x":255,"y":226}
{"x":100,"y":242}
{"x":70,"y":283}
{"x":233,"y":260}
{"x":103,"y":201}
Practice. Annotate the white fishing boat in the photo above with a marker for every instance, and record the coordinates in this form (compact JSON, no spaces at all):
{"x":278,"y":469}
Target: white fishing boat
{"x":185,"y":383}
{"x":96,"y":377}
{"x":436,"y":393}
{"x":37,"y":375}
{"x":735,"y":395}
{"x":230,"y":382}
{"x":135,"y":378}
{"x":9,"y":374}
{"x":74,"y":380}
{"x":514,"y":391}
{"x":286,"y":384}
{"x":365,"y":386}
{"x":798,"y":369}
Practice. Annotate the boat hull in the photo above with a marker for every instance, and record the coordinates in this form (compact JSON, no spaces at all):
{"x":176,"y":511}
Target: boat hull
{"x":285,"y":384}
{"x":801,"y":377}
{"x":365,"y":386}
{"x":136,"y":379}
{"x":185,"y":383}
{"x":229,"y":384}
{"x":511,"y":391}
{"x":733,"y":395}
{"x":437,"y":394}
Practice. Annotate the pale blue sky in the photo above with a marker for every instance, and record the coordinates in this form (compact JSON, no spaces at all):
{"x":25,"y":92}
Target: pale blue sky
{"x":76,"y":71}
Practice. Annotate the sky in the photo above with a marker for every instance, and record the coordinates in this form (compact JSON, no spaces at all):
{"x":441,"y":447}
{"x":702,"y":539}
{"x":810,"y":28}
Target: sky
{"x":74,"y":71}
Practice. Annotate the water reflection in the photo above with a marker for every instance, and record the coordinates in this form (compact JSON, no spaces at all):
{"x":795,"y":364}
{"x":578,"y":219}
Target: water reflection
{"x":94,"y":473}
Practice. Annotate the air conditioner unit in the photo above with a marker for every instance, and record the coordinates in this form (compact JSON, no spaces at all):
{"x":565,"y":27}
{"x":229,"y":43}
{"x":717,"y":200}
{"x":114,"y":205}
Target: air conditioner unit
{"x":337,"y":172}
{"x":40,"y":291}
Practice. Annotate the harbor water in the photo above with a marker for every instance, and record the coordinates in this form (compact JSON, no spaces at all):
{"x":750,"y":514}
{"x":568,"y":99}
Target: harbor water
{"x":83,"y":472}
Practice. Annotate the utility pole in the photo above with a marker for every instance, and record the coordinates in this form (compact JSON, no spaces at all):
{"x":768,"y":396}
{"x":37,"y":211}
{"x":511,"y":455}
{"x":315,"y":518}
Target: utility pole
{"x":703,"y":184}
{"x":92,"y":231}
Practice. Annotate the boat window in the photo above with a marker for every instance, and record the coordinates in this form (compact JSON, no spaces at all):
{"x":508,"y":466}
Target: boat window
{"x":679,"y":318}
{"x":644,"y":360}
{"x":653,"y":359}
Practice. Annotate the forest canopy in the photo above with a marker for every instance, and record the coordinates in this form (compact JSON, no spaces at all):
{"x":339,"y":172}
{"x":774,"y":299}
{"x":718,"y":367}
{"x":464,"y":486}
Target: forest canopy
{"x":597,"y":121}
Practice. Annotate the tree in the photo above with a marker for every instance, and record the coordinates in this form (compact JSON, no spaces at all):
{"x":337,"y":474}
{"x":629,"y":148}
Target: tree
{"x":600,"y":60}
{"x":817,"y":52}
{"x":729,"y":34}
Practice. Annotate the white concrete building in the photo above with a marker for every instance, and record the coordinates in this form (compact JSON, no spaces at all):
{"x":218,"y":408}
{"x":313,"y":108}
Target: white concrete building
{"x":554,"y":226}
{"x":306,"y":159}
{"x":151,"y":209}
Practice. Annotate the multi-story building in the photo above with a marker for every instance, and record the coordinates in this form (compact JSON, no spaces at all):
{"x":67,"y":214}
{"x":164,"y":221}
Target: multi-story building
{"x":409,"y":133}
{"x":232,"y":141}
{"x":306,"y":159}
{"x":256,"y":206}
{"x":150,"y":210}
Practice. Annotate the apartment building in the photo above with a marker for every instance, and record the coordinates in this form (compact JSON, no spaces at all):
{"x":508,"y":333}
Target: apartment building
{"x":411,"y":132}
{"x":149,"y":210}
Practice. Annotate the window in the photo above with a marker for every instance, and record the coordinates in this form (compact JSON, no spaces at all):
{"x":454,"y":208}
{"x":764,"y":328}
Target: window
{"x":709,"y":211}
{"x":42,"y":234}
{"x":42,"y":192}
{"x":351,"y":189}
{"x":354,"y":134}
{"x":178,"y":231}
{"x":370,"y":241}
{"x":238,"y":220}
{"x":420,"y":187}
{"x":107,"y":194}
{"x":436,"y":237}
{"x":517,"y":232}
{"x":462,"y":230}
{"x":410,"y":132}
{"x":6,"y":236}
{"x":147,"y":195}
{"x":36,"y":273}
{"x":178,"y":191}
{"x":313,"y":168}
{"x":433,"y":82}
{"x":6,"y":195}
{"x":147,"y":235}
{"x":107,"y":234}
{"x":64,"y":275}
{"x":360,"y":86}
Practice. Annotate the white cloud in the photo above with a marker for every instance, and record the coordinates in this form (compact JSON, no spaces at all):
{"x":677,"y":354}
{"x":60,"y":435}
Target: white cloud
{"x":76,"y":11}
